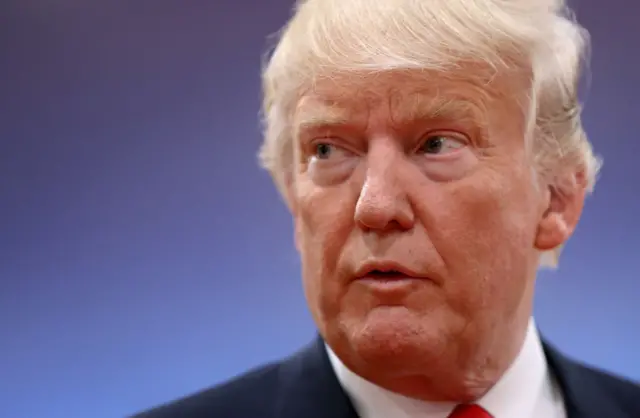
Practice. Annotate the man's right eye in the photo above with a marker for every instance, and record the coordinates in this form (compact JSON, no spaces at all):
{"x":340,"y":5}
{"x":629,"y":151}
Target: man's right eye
{"x":323,"y":150}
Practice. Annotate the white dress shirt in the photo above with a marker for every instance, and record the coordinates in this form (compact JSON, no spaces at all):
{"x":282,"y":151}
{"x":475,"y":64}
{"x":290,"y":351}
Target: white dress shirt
{"x":526,"y":390}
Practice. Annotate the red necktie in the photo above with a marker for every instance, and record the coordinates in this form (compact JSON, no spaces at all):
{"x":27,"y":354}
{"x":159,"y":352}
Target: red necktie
{"x":469,"y":411}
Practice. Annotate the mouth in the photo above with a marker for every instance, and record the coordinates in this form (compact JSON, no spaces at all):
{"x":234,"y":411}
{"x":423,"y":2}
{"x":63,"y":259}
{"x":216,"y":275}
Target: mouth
{"x":387,"y":271}
{"x":390,"y":278}
{"x":387,"y":275}
{"x":389,"y":282}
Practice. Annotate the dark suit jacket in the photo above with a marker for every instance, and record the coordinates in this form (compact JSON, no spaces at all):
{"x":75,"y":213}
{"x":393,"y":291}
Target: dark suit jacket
{"x":305,"y":386}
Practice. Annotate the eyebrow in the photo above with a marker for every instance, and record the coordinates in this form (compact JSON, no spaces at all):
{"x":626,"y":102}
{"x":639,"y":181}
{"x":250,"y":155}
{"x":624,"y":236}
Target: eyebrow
{"x":421,"y":107}
{"x":403,"y":110}
{"x":320,"y":117}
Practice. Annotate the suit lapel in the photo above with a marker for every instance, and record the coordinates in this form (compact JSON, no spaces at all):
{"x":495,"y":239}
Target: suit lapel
{"x":310,"y":388}
{"x":583,"y":395}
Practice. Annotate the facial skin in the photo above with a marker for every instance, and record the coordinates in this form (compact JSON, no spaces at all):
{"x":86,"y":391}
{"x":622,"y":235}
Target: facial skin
{"x":428,"y":174}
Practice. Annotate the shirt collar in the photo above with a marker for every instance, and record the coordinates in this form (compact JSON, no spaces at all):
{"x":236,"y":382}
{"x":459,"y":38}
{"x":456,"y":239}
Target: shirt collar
{"x":515,"y":394}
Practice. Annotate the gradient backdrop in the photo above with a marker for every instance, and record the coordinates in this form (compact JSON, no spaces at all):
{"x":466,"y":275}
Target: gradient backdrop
{"x":143,"y":255}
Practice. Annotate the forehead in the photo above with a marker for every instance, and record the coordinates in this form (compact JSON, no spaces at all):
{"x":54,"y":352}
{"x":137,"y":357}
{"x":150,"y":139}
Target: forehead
{"x":403,"y":97}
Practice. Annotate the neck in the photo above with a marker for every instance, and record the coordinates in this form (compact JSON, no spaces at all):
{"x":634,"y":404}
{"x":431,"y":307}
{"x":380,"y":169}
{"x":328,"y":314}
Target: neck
{"x":466,"y":383}
{"x":459,"y":382}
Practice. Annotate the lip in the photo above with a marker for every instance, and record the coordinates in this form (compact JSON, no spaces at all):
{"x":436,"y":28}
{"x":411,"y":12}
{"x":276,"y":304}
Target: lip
{"x":405,"y":272}
{"x":394,"y":288}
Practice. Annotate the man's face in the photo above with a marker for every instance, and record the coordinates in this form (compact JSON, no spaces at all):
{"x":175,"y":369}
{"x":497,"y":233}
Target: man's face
{"x":416,"y":216}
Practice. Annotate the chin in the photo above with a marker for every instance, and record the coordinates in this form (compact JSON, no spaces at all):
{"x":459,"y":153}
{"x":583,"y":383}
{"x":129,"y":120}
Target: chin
{"x":394,"y":338}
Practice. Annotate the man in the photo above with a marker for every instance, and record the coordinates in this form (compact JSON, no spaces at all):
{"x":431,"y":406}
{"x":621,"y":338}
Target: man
{"x":432,"y":156}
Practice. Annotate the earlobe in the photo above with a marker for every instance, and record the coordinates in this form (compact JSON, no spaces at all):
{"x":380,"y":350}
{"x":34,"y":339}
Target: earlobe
{"x":562,"y":214}
{"x":553,"y":231}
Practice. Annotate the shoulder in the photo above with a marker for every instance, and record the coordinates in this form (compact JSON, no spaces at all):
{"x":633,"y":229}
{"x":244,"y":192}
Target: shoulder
{"x":301,"y":385}
{"x":590,"y":391}
{"x":623,"y":391}
{"x":249,"y":394}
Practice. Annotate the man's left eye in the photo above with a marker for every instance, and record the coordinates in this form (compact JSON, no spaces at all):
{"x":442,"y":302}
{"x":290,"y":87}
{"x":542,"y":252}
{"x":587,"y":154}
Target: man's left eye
{"x":440,"y":144}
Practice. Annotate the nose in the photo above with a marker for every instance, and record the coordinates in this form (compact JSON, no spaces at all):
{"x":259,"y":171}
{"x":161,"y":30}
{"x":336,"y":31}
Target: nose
{"x":383,"y":203}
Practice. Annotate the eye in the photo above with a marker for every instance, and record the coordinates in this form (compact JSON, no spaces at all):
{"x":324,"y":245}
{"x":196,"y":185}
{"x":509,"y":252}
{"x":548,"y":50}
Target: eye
{"x":323,"y":150}
{"x":440,"y":144}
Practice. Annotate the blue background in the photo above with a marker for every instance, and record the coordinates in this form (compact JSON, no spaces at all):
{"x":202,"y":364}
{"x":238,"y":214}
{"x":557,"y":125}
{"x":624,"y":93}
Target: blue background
{"x":143,"y":255}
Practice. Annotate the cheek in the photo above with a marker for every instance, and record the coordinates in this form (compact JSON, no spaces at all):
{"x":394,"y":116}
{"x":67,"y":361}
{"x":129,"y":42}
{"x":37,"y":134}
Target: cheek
{"x":323,"y":223}
{"x":482,"y":228}
{"x":324,"y":218}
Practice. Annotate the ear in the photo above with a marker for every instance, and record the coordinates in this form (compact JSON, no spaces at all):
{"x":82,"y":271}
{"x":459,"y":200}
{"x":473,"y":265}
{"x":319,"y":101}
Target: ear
{"x":562,"y":212}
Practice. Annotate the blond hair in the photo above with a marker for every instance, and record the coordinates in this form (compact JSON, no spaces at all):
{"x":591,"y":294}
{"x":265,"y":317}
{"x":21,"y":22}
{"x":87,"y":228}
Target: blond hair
{"x":329,"y":37}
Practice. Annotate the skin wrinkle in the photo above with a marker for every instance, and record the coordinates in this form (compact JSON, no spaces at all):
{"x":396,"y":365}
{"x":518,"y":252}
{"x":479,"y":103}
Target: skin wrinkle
{"x":482,"y":82}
